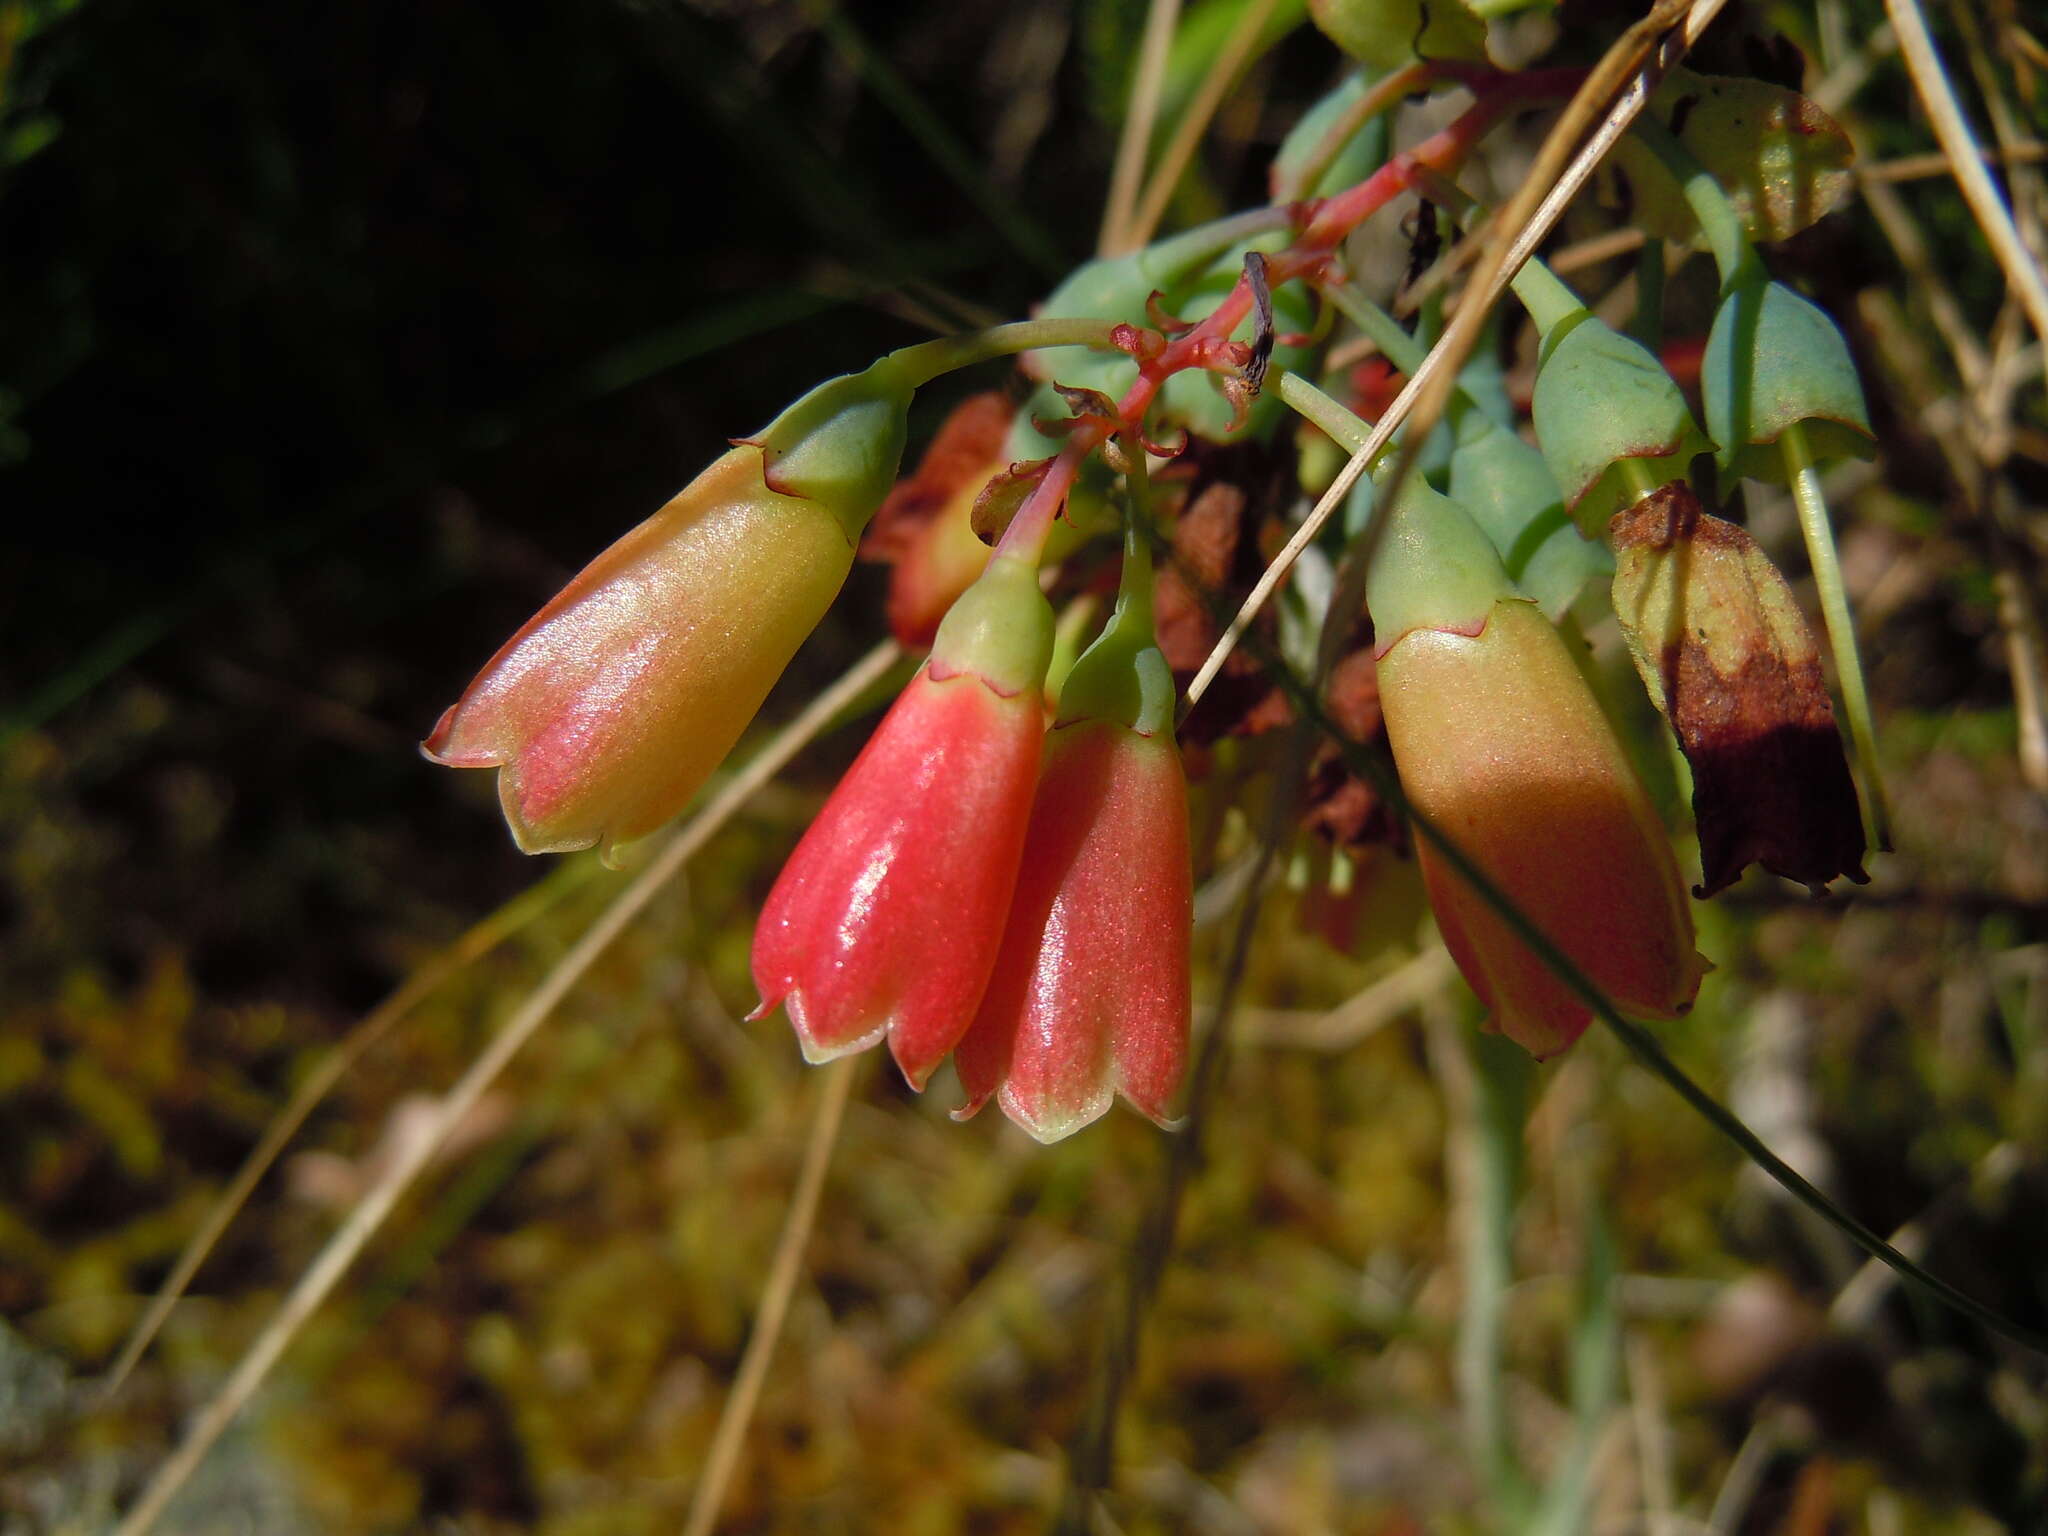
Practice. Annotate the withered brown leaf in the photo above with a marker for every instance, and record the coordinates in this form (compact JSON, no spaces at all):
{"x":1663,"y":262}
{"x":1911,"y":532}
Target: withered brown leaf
{"x":1336,"y":803}
{"x":1213,"y":562}
{"x":968,"y":442}
{"x":1728,"y":658}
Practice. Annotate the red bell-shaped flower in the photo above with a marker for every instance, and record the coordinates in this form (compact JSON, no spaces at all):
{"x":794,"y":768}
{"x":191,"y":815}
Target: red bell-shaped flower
{"x":886,"y":919}
{"x":608,"y":710}
{"x":1090,"y":993}
{"x":1500,"y":742}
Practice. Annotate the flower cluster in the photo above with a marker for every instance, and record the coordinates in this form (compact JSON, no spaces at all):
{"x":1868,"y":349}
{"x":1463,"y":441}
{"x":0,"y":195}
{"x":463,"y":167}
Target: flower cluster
{"x":1003,"y":877}
{"x":1015,"y":891}
{"x":980,"y":883}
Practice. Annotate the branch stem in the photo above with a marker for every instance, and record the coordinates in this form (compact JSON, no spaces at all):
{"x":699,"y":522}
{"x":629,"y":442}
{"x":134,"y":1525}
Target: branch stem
{"x":927,"y":360}
{"x":783,"y":1270}
{"x":1834,"y":608}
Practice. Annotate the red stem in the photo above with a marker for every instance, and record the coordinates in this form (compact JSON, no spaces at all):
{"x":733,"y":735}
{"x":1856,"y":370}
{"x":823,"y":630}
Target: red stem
{"x":1032,"y":523}
{"x":1322,"y":227}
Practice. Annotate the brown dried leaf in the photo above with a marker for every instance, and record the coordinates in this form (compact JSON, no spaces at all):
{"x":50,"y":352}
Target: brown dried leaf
{"x":968,"y":443}
{"x":1336,"y":803}
{"x":1214,"y":561}
{"x":1006,"y":491}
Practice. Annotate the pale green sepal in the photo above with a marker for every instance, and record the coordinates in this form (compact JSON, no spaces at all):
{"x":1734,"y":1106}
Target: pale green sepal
{"x":1602,"y":397}
{"x":840,"y":445}
{"x":1000,"y":629}
{"x":1510,"y":492}
{"x":1774,"y":359}
{"x":1435,"y":568}
{"x":1122,"y":677}
{"x":1549,"y":300}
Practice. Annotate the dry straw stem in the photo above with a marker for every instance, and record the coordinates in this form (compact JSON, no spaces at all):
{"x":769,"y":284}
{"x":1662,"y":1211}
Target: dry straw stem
{"x":1856,"y":1304}
{"x":738,"y":1412}
{"x":1966,"y":161}
{"x":1745,"y":1474}
{"x":1934,"y":163}
{"x":1615,"y":92}
{"x":1361,"y":1015}
{"x":1910,"y":246}
{"x":1849,"y":76}
{"x":1634,"y":65}
{"x":1187,"y":133}
{"x":1595,"y":249}
{"x":370,"y":1212}
{"x":2026,"y":655}
{"x":1853,"y":1310}
{"x":1147,"y":84}
{"x":2028,"y":197}
{"x":1973,"y":457}
{"x":374,"y":1026}
{"x":1874,"y":180}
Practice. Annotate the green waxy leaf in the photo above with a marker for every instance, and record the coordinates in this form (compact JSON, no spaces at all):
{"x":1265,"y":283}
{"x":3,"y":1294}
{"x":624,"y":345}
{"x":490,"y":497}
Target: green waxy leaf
{"x":1510,"y":492}
{"x":1385,"y":34}
{"x":1601,"y":399}
{"x":1783,"y":161}
{"x":1774,"y":359}
{"x":1362,"y":154}
{"x":841,"y":443}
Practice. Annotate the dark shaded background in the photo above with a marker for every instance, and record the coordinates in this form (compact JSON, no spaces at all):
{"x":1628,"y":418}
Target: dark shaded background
{"x":333,"y":340}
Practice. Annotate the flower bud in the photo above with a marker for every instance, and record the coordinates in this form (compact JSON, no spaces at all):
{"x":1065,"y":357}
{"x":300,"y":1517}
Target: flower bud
{"x":840,"y":444}
{"x":1089,"y":996}
{"x":614,"y":703}
{"x":886,"y":919}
